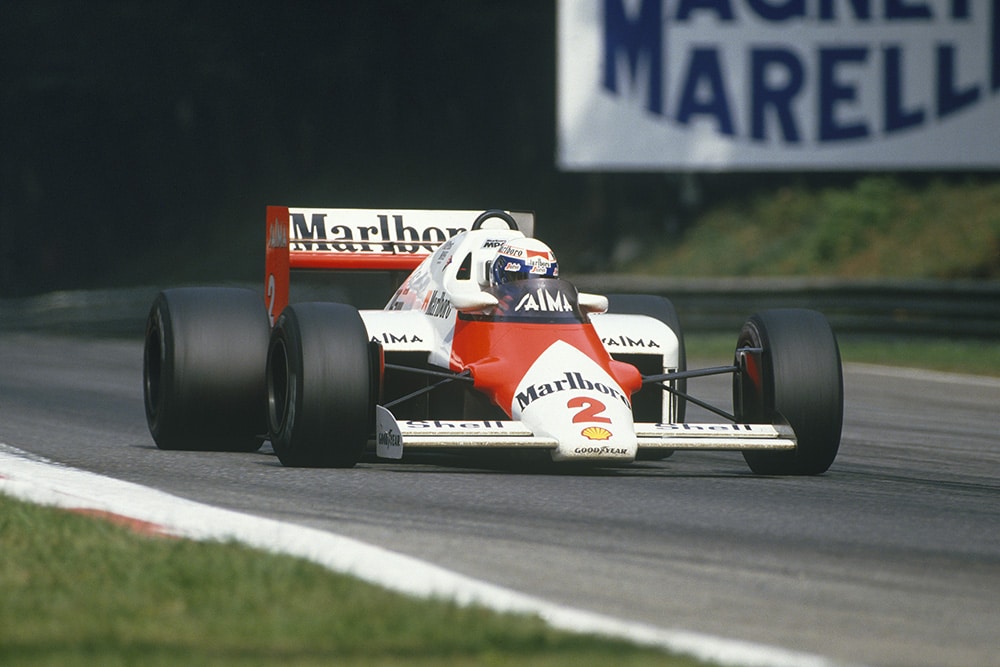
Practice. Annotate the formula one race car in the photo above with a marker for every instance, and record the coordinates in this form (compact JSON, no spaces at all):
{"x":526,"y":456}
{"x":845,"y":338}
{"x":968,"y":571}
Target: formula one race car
{"x":483,"y":345}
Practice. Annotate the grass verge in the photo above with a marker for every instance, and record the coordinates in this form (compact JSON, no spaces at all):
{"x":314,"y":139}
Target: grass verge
{"x":81,"y":591}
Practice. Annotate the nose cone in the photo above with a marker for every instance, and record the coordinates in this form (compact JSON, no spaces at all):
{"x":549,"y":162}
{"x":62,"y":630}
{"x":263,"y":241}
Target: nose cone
{"x":567,"y":396}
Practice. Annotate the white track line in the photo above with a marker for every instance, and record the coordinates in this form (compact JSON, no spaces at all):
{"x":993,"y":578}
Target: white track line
{"x":37,"y":480}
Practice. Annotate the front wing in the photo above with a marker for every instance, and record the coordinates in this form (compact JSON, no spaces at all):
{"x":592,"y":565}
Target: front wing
{"x":393,"y":436}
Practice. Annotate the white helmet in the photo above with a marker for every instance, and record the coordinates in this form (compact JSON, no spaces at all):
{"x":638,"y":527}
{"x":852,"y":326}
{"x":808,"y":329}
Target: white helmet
{"x":522,"y":258}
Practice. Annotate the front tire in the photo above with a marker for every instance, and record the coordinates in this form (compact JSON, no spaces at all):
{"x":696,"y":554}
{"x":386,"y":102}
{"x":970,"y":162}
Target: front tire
{"x":321,"y":386}
{"x":203,"y":369}
{"x":798,"y":381}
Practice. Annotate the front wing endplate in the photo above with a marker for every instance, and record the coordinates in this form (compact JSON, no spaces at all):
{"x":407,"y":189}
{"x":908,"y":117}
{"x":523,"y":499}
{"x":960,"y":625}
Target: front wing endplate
{"x":391,"y":436}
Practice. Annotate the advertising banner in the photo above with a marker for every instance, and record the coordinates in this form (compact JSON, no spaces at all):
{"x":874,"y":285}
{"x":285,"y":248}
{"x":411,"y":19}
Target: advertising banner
{"x":778,"y":84}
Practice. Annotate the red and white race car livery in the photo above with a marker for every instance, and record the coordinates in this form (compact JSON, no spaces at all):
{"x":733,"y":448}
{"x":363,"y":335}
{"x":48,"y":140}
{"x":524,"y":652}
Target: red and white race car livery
{"x":482,"y":345}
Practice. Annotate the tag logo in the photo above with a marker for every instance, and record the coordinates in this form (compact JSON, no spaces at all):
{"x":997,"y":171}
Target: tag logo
{"x":544,"y":300}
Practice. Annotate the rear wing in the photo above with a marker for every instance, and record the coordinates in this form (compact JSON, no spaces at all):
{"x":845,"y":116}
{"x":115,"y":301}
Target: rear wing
{"x":356,"y":239}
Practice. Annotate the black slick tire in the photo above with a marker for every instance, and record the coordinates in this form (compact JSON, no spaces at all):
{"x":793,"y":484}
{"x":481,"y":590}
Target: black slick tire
{"x":203,"y":369}
{"x":799,"y":381}
{"x":321,"y":386}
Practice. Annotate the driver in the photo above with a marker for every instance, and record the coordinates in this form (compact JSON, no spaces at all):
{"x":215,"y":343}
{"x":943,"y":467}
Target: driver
{"x":523,"y":258}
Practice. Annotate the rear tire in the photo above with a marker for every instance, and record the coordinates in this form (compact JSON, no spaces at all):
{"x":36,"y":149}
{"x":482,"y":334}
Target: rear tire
{"x":799,"y":382}
{"x":203,"y":369}
{"x":321,"y":386}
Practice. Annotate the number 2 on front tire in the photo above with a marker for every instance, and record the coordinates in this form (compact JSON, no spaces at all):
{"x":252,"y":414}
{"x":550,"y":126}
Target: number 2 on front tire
{"x":591,"y":412}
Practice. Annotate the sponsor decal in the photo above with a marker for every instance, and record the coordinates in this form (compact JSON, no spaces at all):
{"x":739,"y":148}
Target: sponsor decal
{"x":714,"y":428}
{"x":278,"y":238}
{"x":570,"y":381}
{"x":627,"y":341}
{"x":391,"y":338}
{"x":539,"y":265}
{"x":418,"y":281}
{"x":682,"y":83}
{"x":493,"y":243}
{"x":436,"y":304}
{"x":544,"y":255}
{"x":544,"y":300}
{"x":444,"y":254}
{"x":387,"y":234}
{"x":596,"y":433}
{"x":425,"y":423}
{"x":390,"y":439}
{"x":602,"y":451}
{"x":510,"y":251}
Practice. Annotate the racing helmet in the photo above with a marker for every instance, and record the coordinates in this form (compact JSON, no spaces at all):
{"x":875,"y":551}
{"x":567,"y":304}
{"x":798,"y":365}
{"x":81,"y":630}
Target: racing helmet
{"x":523,"y":258}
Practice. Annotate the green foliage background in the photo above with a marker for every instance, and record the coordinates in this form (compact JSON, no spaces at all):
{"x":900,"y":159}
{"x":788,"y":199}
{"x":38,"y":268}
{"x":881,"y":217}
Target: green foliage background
{"x":876,"y":227}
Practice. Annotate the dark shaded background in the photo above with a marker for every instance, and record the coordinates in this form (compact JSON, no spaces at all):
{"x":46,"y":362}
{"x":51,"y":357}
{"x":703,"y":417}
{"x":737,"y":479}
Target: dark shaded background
{"x":141,"y":141}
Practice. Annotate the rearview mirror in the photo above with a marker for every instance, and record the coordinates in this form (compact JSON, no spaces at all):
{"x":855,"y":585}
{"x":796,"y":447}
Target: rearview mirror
{"x":472,"y":300}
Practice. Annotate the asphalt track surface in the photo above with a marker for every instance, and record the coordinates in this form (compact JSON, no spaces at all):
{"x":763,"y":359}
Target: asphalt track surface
{"x":891,"y":558}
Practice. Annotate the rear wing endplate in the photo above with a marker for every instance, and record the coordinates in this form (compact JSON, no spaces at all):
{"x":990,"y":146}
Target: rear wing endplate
{"x":356,"y":239}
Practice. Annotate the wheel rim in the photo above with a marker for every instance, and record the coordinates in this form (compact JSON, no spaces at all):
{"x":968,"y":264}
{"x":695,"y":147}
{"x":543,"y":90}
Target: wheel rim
{"x":153,"y":368}
{"x":278,"y":392}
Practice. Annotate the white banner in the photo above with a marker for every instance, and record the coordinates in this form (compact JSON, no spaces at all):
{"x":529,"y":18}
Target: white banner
{"x":778,"y":84}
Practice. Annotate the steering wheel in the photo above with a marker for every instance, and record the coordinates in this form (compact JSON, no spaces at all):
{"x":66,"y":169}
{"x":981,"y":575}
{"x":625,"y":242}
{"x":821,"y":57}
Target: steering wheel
{"x":495,"y":213}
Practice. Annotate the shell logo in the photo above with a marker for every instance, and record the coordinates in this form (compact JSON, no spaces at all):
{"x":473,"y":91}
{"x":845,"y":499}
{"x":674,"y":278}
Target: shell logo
{"x":596,"y":433}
